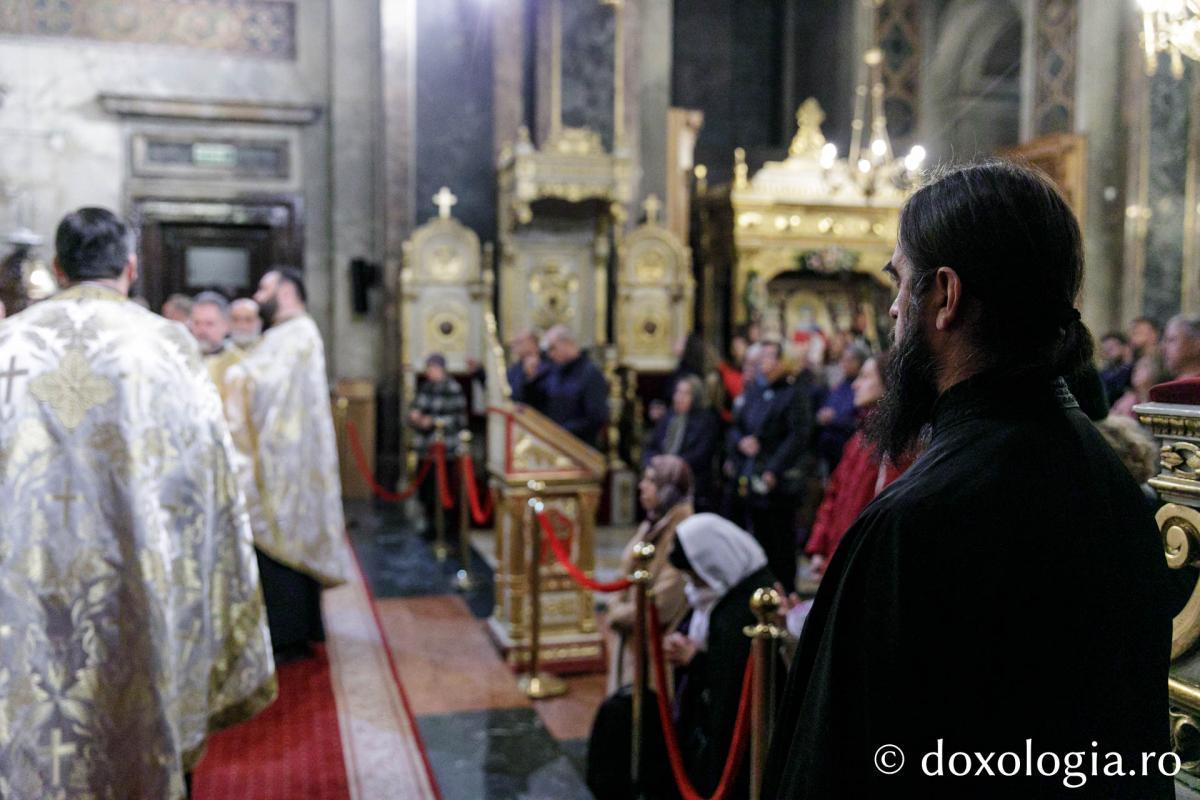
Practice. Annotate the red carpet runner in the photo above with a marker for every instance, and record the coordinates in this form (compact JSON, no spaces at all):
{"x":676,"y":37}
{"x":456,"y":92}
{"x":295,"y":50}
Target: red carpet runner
{"x":291,"y":750}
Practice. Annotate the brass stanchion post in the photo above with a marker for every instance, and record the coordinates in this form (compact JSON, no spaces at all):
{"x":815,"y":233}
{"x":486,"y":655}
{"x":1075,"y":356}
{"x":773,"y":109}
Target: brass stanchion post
{"x":536,"y":684}
{"x":643,"y":552}
{"x":463,"y":581}
{"x":439,"y":515}
{"x":765,"y":605}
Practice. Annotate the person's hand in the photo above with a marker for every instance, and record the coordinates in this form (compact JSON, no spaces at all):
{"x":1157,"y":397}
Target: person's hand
{"x":414,"y":417}
{"x":768,"y":479}
{"x":786,"y":601}
{"x":748,"y":446}
{"x":657,"y":411}
{"x":826,"y":415}
{"x":531,"y":364}
{"x":817,"y":564}
{"x":679,"y":649}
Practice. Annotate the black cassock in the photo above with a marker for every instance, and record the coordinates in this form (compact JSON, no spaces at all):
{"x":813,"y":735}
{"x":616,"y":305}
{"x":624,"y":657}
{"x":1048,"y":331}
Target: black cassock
{"x":1010,"y":587}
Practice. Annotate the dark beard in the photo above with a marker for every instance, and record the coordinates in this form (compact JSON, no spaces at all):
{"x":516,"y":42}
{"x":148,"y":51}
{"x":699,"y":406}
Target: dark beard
{"x":267,"y":311}
{"x":897,"y":424}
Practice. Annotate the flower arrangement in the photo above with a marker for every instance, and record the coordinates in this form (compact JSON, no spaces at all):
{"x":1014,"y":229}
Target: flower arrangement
{"x":829,"y":260}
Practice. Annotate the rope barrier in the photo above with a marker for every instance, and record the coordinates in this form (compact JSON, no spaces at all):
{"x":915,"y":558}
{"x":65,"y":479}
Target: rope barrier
{"x":443,"y":475}
{"x":564,"y":558}
{"x":364,"y":469}
{"x":479,"y":512}
{"x":741,"y":725}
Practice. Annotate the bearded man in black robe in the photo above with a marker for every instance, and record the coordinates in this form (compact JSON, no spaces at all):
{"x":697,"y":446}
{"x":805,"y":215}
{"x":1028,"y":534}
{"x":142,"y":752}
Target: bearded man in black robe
{"x":1002,"y":609}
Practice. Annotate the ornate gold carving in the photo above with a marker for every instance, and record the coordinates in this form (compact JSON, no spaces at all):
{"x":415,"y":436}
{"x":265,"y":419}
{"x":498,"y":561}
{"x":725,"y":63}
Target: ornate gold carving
{"x":445,"y":263}
{"x":575,"y":142}
{"x":809,"y":139}
{"x":1180,"y":527}
{"x":531,"y":455}
{"x":1185,"y":740}
{"x":557,"y":292}
{"x":1181,"y":459}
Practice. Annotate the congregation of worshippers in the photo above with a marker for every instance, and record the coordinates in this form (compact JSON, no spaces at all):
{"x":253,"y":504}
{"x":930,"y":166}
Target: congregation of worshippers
{"x":755,"y":463}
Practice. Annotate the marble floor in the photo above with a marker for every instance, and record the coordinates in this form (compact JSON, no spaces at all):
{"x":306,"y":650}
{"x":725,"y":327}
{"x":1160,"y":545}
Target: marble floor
{"x":484,"y":739}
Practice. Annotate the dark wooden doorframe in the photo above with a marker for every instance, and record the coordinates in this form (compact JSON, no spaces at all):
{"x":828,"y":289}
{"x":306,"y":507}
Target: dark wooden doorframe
{"x":282,"y":216}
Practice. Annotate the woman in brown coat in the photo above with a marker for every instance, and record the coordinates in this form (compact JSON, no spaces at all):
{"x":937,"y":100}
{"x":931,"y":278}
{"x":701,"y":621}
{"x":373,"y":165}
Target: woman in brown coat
{"x":665,"y":492}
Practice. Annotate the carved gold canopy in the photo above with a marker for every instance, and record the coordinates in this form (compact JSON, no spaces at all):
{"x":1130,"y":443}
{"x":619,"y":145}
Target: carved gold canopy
{"x":804,"y":203}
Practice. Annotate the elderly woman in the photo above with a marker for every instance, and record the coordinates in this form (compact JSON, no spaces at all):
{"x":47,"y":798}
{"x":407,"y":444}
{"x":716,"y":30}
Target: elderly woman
{"x":689,"y":430}
{"x":724,"y":566}
{"x":665,"y":493}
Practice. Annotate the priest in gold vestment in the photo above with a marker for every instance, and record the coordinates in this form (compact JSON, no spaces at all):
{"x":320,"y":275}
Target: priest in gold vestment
{"x":277,"y":403}
{"x":131,"y":620}
{"x":209,"y":323}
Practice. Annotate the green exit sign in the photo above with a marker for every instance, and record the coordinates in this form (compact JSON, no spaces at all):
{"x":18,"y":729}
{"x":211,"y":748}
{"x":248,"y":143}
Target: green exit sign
{"x":214,"y":154}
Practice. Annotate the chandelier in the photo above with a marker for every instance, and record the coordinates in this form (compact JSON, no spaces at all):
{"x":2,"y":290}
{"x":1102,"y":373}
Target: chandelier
{"x":871,"y":167}
{"x":1171,"y":27}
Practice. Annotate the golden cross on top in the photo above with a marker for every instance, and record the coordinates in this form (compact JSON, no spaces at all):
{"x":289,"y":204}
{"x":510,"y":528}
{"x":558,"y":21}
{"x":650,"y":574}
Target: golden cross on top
{"x":652,"y":206}
{"x":445,"y":200}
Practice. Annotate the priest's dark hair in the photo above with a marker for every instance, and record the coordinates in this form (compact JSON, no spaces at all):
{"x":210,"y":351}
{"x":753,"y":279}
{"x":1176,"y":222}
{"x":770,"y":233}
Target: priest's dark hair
{"x":296,"y":278}
{"x":1015,"y":244}
{"x":93,"y":244}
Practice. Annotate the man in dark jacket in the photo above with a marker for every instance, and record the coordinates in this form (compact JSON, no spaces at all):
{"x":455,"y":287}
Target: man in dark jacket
{"x":689,"y":430}
{"x":528,"y":370}
{"x":770,"y":436}
{"x":574,"y":392}
{"x":1002,"y":609}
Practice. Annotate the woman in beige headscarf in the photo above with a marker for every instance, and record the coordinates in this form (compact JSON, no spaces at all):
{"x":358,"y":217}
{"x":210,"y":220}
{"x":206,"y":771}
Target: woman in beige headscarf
{"x":665,"y":492}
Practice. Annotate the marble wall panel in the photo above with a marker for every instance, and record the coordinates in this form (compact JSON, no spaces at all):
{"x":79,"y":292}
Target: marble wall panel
{"x":264,"y":28}
{"x":454,"y":116}
{"x":1170,"y":116}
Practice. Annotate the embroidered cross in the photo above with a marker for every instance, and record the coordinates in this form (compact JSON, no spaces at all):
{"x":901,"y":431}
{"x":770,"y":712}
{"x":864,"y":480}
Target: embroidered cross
{"x":57,"y":751}
{"x":9,"y":376}
{"x":66,"y":498}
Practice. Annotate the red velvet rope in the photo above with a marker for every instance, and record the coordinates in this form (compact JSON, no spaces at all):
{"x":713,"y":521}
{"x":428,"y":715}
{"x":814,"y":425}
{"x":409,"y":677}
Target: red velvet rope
{"x":443,"y":475}
{"x":741,"y":725}
{"x":572,"y":569}
{"x":479,"y":511}
{"x":360,"y":461}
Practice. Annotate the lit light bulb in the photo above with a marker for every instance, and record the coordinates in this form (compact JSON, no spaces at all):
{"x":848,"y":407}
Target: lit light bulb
{"x":864,"y":166}
{"x":879,"y":147}
{"x":1150,"y":6}
{"x":914,"y":159}
{"x":828,"y":155}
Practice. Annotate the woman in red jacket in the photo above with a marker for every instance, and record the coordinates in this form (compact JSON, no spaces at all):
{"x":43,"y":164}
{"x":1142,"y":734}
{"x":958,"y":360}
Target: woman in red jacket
{"x":859,"y":476}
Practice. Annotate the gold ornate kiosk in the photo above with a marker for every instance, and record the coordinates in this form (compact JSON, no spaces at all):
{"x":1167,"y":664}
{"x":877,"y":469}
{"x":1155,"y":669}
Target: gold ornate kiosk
{"x":525,"y":446}
{"x":655,"y":288}
{"x":801,"y":243}
{"x":445,"y":290}
{"x":1177,"y":427}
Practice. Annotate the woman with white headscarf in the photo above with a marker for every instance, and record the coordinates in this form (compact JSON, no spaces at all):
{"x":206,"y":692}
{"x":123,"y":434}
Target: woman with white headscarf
{"x":724,"y":566}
